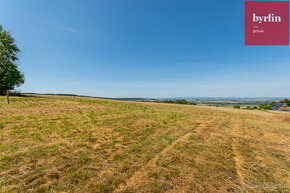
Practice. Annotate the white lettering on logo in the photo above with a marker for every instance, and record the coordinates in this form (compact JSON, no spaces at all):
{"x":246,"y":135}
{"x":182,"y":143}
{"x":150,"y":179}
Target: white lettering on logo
{"x":270,"y":18}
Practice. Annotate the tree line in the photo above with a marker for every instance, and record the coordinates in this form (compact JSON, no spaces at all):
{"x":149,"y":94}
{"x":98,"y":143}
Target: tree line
{"x":265,"y":106}
{"x":268,"y":106}
{"x":184,"y":102}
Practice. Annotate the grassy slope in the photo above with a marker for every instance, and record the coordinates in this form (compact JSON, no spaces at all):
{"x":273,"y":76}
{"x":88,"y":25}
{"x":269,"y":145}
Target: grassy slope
{"x":93,"y":145}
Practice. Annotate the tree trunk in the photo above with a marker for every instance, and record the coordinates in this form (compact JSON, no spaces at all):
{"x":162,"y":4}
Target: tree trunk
{"x":7,"y":96}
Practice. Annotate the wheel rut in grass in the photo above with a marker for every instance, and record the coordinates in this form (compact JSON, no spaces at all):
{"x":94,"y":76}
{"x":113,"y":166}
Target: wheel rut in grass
{"x":139,"y":176}
{"x":237,"y":158}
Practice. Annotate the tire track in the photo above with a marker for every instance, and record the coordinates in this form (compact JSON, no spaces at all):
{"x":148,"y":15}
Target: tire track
{"x":237,"y":157}
{"x":139,"y":176}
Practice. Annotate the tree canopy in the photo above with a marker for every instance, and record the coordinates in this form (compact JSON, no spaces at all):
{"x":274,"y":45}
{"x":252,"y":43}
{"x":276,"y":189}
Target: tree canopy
{"x":10,"y":76}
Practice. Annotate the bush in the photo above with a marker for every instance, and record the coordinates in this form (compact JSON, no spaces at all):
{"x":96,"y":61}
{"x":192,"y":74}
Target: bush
{"x":237,"y":106}
{"x":267,"y":106}
{"x":249,"y":108}
{"x":192,"y":103}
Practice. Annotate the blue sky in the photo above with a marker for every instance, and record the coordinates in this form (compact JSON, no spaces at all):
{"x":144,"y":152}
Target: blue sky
{"x":143,"y":48}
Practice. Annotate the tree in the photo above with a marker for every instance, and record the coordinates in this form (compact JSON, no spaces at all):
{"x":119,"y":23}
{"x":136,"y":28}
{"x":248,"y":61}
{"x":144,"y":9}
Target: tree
{"x":10,"y":76}
{"x":267,"y":106}
{"x":287,"y":101}
{"x":181,"y":102}
{"x":237,"y":106}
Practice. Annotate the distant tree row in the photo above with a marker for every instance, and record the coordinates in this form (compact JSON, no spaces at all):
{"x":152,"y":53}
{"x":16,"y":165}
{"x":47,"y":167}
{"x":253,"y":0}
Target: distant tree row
{"x":248,"y":107}
{"x":268,"y":106}
{"x":184,"y":102}
{"x":264,"y":106}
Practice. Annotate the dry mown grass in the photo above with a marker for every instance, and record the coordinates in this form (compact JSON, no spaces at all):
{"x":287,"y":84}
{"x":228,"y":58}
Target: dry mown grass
{"x":60,"y":144}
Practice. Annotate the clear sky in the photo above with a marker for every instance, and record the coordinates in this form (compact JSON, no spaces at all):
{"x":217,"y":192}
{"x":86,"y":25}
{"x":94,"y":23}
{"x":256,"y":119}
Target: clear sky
{"x":143,"y":48}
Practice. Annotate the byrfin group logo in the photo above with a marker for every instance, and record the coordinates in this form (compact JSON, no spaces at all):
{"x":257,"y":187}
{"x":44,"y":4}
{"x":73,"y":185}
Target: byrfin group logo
{"x":267,"y":22}
{"x":270,"y":18}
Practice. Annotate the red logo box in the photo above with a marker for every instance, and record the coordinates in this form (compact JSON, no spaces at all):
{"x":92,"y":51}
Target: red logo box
{"x":267,"y":22}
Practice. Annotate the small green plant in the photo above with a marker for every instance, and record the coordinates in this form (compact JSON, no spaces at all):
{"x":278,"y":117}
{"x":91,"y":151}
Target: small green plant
{"x":72,"y":172}
{"x":121,"y":129}
{"x":85,"y":175}
{"x":192,"y":137}
{"x":113,"y":144}
{"x":36,"y":137}
{"x":237,"y":106}
{"x":172,"y":116}
{"x":177,"y":146}
{"x":84,"y":158}
{"x":18,"y":118}
{"x":193,"y":130}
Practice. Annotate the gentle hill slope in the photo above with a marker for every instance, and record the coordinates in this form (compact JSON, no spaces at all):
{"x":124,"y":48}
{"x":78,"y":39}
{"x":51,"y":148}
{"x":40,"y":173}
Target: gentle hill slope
{"x":50,"y":143}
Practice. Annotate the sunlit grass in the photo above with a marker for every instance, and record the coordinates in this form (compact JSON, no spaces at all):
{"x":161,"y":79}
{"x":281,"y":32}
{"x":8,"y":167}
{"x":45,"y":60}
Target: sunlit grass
{"x":66,"y":144}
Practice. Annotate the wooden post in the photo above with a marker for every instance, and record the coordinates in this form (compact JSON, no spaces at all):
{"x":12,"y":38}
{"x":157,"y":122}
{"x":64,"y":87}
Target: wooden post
{"x":7,"y":96}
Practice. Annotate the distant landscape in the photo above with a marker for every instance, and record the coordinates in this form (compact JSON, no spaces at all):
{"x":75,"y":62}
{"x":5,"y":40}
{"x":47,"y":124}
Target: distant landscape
{"x":219,"y":101}
{"x":230,"y":101}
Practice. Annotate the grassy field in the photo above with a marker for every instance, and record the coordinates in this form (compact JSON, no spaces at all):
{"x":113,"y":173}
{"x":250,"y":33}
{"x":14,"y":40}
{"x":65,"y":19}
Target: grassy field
{"x":61,"y":144}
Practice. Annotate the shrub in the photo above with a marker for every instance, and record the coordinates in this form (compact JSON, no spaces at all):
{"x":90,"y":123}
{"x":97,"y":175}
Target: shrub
{"x":237,"y":106}
{"x":249,"y":108}
{"x":267,"y":106}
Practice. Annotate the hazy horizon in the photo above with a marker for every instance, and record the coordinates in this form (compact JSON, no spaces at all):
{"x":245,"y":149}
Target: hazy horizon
{"x":159,"y":98}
